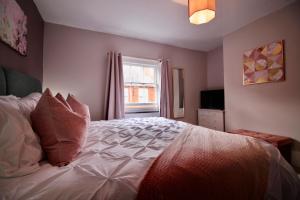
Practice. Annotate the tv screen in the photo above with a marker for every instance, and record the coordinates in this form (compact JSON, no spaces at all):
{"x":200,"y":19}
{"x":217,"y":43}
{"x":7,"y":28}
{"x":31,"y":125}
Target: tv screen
{"x":212,"y":99}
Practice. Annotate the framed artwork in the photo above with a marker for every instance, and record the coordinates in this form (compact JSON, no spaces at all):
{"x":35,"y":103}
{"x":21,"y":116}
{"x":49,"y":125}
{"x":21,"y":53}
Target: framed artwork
{"x":264,"y":64}
{"x":13,"y":25}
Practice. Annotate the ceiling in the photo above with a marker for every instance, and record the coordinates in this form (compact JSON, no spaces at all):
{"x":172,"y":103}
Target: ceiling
{"x":162,"y":21}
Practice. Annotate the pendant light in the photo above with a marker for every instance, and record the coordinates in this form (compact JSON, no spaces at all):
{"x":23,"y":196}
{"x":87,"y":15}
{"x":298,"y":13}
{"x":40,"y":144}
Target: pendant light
{"x":201,"y":11}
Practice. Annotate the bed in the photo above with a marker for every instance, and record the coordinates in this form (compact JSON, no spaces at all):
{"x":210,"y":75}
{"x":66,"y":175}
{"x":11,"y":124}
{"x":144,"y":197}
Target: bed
{"x":15,"y":83}
{"x":154,"y":158}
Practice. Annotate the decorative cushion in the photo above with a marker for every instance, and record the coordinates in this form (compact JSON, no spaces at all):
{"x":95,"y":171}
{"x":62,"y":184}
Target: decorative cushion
{"x":78,"y":107}
{"x":62,"y":131}
{"x":62,"y":99}
{"x":20,"y":150}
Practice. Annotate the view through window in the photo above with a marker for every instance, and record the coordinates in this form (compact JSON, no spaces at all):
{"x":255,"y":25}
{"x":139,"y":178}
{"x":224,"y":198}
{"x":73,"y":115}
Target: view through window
{"x":141,"y":84}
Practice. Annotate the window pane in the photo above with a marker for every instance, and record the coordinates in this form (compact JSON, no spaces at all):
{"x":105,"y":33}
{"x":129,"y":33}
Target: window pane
{"x":143,"y":95}
{"x":126,"y":73}
{"x":152,"y":94}
{"x":149,"y":75}
{"x":141,"y":86}
{"x":138,"y":74}
{"x":140,"y":93}
{"x":126,"y":95}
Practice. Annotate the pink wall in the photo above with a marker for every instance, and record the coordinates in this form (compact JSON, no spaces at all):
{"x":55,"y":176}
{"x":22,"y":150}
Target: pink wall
{"x":75,"y":61}
{"x":271,"y":107}
{"x":31,"y":64}
{"x":215,"y":69}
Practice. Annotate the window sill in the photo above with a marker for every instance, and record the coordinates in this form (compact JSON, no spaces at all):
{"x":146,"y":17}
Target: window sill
{"x":142,"y":115}
{"x":135,"y":112}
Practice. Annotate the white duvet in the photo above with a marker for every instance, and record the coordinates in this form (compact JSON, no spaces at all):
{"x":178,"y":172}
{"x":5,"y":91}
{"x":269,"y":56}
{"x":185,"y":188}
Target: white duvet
{"x":112,"y":164}
{"x":115,"y":159}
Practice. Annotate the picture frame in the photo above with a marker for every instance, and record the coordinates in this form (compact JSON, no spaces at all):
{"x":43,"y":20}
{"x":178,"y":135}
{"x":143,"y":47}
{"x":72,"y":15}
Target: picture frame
{"x":264,"y":64}
{"x":13,"y":26}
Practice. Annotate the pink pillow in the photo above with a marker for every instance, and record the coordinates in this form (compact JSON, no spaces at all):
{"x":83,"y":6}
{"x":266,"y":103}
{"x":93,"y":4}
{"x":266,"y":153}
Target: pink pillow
{"x":78,"y":107}
{"x":62,"y":131}
{"x":62,"y":99}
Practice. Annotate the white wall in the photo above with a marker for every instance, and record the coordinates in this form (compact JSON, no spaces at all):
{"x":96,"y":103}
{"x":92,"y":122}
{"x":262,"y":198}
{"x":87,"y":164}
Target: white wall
{"x":270,"y":107}
{"x":75,"y":61}
{"x":215,"y":69}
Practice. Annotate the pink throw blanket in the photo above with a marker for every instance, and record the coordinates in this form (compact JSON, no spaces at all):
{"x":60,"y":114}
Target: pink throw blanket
{"x":205,"y":164}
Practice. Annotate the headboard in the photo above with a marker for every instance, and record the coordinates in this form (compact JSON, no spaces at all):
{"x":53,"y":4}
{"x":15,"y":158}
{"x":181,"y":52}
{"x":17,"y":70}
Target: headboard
{"x":18,"y":84}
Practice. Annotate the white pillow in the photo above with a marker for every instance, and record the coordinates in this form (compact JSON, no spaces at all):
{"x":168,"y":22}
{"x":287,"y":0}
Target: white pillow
{"x":11,"y":100}
{"x":25,"y":105}
{"x":20,"y":151}
{"x":28,"y":104}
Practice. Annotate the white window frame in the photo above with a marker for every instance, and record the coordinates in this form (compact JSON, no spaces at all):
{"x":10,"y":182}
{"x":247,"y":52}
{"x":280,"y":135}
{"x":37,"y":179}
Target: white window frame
{"x":151,"y":64}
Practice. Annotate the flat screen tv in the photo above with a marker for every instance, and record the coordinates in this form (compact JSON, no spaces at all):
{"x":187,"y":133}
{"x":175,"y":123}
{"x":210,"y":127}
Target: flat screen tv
{"x":212,"y":99}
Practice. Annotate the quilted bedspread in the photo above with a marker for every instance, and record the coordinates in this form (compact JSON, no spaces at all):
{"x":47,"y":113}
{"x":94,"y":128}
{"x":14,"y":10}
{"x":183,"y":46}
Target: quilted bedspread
{"x":111,"y":165}
{"x":119,"y":153}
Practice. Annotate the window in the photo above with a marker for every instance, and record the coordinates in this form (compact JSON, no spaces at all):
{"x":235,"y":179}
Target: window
{"x":141,"y":84}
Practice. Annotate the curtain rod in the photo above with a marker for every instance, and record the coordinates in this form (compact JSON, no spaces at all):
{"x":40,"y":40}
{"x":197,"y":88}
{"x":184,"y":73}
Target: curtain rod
{"x":158,"y":59}
{"x":161,"y":59}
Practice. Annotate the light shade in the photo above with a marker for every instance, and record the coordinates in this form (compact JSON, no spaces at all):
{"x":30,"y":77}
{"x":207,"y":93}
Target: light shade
{"x":201,"y":11}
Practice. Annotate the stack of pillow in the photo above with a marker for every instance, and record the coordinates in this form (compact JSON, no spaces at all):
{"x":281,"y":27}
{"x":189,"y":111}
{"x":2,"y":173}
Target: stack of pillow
{"x":20,"y":149}
{"x":59,"y":125}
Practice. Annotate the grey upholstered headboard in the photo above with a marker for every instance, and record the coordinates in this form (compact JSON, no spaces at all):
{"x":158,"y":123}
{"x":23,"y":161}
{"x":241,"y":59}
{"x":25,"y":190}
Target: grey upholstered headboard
{"x":18,"y":84}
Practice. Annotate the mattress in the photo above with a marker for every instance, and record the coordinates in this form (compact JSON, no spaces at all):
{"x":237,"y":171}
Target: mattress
{"x":117,"y":156}
{"x":112,"y":164}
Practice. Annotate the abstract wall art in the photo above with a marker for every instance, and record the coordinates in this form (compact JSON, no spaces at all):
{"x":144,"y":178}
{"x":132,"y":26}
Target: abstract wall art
{"x":264,"y":64}
{"x":13,"y":25}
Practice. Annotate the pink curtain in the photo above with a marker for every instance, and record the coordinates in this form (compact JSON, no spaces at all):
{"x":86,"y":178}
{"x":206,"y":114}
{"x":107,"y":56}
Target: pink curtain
{"x":166,"y":91}
{"x":114,"y":99}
